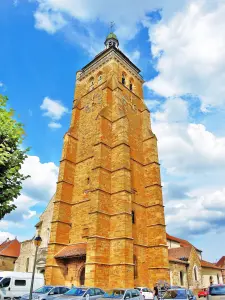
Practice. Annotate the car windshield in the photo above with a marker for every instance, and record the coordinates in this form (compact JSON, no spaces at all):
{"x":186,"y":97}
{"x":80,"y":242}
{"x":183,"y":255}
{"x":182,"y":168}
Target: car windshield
{"x":76,"y":292}
{"x":175,"y":294}
{"x":114,"y":294}
{"x":1,"y":278}
{"x":43,"y":289}
{"x":217,"y":290}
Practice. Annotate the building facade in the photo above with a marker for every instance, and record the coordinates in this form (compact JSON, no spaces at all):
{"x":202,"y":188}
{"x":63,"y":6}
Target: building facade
{"x":188,"y":269}
{"x":108,"y":227}
{"x":25,"y":261}
{"x":221,"y":264}
{"x":9,"y":252}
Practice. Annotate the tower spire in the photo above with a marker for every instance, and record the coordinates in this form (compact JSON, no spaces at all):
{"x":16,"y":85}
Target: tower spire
{"x":111,"y":39}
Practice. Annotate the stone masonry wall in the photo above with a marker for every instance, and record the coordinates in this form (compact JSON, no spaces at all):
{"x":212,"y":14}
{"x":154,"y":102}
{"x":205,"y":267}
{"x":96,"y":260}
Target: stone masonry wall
{"x":109,"y":172}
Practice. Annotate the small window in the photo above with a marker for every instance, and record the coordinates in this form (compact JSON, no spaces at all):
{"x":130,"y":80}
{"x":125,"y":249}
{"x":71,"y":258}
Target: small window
{"x":195,"y":273}
{"x":135,"y":267}
{"x":91,"y":83}
{"x":123,"y":79}
{"x":27,"y":264}
{"x":100,"y":78}
{"x":131,"y":87}
{"x":181,"y":278}
{"x":218,"y":278}
{"x":20,"y":282}
{"x":5,"y":282}
{"x":133,"y":216}
{"x":110,"y":44}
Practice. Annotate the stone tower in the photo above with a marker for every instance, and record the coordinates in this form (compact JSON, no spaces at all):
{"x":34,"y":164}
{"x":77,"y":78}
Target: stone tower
{"x":108,"y":227}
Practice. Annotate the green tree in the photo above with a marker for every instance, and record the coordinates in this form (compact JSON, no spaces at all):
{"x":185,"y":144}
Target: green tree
{"x":11,"y":158}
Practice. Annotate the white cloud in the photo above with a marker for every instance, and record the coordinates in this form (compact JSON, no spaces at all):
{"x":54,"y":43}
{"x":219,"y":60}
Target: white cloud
{"x":37,"y":191}
{"x":190,"y":48}
{"x":135,"y":55}
{"x":50,"y":22}
{"x":186,"y":147}
{"x":2,"y":86}
{"x":53,"y":108}
{"x":193,"y":165}
{"x":43,"y":177}
{"x":54,"y":125}
{"x":5,"y":235}
{"x":127,"y":18}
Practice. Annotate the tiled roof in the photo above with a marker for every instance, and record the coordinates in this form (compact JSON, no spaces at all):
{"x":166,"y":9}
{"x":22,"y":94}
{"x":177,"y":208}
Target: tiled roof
{"x":180,"y":252}
{"x":72,"y":251}
{"x":221,"y":262}
{"x":10,"y":248}
{"x":183,"y":243}
{"x":207,"y":264}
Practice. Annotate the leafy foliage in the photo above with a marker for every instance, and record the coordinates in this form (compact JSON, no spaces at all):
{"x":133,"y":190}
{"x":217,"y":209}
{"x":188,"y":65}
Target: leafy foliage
{"x":11,"y":158}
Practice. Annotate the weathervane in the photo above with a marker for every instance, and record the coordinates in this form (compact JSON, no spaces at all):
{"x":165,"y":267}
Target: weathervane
{"x":112,"y":25}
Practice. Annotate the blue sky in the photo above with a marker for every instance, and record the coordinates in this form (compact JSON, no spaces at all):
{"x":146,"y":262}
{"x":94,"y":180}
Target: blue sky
{"x":180,"y":49}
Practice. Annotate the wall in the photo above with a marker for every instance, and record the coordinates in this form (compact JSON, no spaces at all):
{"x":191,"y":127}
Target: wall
{"x":207,"y":272}
{"x":172,"y":244}
{"x":27,"y":250}
{"x":175,"y":269}
{"x":194,"y":261}
{"x":7,"y":263}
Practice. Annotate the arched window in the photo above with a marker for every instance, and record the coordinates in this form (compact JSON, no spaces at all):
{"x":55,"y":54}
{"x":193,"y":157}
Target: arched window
{"x":131,"y":84}
{"x":99,"y":77}
{"x":218,"y":278}
{"x":82,"y":276}
{"x":181,"y":278}
{"x":195,"y":273}
{"x":135,"y":267}
{"x":123,"y":79}
{"x":91,"y":83}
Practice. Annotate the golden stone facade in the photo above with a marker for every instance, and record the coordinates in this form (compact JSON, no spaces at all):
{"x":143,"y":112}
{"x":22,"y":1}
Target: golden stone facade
{"x":109,"y":196}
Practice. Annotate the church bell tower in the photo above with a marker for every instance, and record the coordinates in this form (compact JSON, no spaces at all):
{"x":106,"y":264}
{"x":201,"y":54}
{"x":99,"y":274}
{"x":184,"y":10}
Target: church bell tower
{"x":108,"y":226}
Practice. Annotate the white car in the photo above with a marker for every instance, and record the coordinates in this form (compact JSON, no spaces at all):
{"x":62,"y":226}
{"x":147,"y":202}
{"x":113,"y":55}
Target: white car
{"x":145,"y":292}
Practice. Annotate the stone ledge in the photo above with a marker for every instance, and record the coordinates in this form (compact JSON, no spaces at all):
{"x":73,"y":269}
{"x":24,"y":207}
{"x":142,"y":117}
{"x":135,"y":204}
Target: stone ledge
{"x":110,"y":239}
{"x":67,"y":182}
{"x":110,"y":215}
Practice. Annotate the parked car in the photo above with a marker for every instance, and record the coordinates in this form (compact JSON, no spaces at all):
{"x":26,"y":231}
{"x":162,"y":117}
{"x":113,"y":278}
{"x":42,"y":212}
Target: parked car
{"x":15,"y":284}
{"x":81,"y":293}
{"x":180,"y":293}
{"x":216,"y":292}
{"x":123,"y":294}
{"x":203,"y":293}
{"x":46,"y":292}
{"x":145,"y":292}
